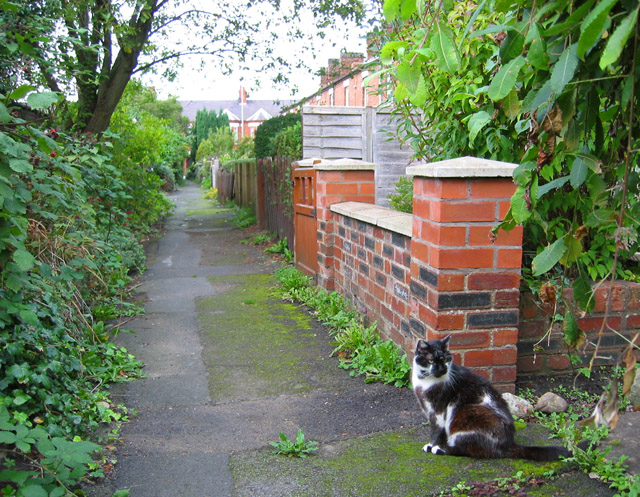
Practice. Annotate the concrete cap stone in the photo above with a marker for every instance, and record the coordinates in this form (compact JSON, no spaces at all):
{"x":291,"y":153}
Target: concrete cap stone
{"x":463,"y":167}
{"x":336,"y":164}
{"x":398,"y":222}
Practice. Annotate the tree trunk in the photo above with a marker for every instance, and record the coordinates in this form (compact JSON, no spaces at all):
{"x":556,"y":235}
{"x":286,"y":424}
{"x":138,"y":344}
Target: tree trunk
{"x":114,"y":79}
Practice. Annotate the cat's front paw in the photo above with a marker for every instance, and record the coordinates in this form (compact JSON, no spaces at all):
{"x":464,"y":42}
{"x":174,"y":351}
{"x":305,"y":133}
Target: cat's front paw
{"x":433,"y":449}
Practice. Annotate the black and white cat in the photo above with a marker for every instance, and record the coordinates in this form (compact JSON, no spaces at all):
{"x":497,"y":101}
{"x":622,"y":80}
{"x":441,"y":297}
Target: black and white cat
{"x":468,"y":417}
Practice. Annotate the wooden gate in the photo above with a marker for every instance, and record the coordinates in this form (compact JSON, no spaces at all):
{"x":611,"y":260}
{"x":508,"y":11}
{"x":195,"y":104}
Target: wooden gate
{"x":304,"y":212}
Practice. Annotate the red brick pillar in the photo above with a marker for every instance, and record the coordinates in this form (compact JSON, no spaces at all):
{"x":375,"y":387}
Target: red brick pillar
{"x":465,"y":283}
{"x":342,"y":180}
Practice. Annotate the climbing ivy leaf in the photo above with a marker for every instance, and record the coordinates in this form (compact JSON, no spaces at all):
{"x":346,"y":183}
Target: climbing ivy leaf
{"x":549,"y":257}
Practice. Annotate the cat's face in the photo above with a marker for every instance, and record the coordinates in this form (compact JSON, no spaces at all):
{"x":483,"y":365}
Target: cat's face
{"x":433,"y":358}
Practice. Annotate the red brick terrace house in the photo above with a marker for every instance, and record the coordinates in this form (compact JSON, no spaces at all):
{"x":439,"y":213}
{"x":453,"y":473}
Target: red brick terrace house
{"x":342,"y":84}
{"x":244,"y":115}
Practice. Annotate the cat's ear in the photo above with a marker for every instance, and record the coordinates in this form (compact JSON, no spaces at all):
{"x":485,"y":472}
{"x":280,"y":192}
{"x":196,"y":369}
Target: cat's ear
{"x":422,"y":345}
{"x":445,"y":340}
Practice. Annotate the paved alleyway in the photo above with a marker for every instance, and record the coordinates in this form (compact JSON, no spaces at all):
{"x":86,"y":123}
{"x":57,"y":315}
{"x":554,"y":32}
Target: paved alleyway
{"x":180,"y":442}
{"x":229,"y":367}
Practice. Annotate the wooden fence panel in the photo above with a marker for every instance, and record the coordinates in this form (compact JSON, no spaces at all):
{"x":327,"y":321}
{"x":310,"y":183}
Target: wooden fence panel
{"x":246,"y":187}
{"x":225,"y":182}
{"x":356,"y":133}
{"x":278,"y":197}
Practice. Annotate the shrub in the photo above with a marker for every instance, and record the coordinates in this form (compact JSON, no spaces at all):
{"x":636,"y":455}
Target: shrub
{"x":359,"y":348}
{"x":402,"y":200}
{"x":266,"y":132}
{"x":288,"y":142}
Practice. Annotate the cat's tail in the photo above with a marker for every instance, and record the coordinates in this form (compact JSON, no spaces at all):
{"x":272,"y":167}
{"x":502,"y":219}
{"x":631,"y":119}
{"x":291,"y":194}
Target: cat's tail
{"x":551,"y":453}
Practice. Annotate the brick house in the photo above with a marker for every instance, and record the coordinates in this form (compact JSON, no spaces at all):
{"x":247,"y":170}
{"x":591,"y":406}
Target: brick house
{"x":342,"y":83}
{"x":245,"y":115}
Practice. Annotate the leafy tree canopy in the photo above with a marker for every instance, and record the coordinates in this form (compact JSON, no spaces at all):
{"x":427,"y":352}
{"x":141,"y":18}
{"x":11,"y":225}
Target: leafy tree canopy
{"x":553,"y":87}
{"x":92,"y":48}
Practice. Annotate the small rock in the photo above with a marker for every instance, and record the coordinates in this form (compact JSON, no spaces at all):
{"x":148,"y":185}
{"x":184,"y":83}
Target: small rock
{"x":634,"y":394}
{"x":551,"y":402}
{"x":518,"y":406}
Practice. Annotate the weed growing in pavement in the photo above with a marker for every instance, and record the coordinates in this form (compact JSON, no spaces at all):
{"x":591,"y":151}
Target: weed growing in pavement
{"x":359,"y":348}
{"x":587,"y":456}
{"x":259,"y":239}
{"x":299,"y":448}
{"x":281,"y":248}
{"x":243,"y":217}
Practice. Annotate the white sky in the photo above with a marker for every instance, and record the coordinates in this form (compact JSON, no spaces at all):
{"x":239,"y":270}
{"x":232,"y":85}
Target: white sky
{"x":208,"y":84}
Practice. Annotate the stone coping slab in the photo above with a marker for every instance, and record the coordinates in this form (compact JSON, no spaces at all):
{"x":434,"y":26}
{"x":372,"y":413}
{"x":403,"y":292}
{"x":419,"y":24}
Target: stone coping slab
{"x":336,"y":164}
{"x":463,"y":167}
{"x":398,"y":222}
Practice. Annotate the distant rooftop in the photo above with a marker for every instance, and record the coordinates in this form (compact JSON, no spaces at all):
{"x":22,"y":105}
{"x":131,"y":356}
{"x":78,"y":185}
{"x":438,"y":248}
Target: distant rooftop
{"x":254,"y":109}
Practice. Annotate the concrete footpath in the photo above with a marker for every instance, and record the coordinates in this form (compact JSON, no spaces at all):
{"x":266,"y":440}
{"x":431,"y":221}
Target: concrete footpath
{"x":229,"y":366}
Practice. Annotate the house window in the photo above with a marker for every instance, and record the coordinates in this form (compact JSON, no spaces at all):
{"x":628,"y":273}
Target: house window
{"x":331,"y":100}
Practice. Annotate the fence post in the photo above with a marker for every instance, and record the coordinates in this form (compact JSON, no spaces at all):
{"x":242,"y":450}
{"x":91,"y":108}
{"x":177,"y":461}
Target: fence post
{"x":215,"y":166}
{"x":464,"y":282}
{"x":341,"y":180}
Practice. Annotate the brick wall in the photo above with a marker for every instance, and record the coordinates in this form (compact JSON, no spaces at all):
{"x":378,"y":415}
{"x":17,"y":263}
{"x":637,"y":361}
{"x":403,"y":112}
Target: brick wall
{"x":435,"y":273}
{"x":441,"y":272}
{"x":372,"y":269}
{"x":551,"y":356}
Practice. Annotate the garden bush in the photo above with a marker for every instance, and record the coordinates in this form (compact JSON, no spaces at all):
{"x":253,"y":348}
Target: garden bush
{"x":73,"y":213}
{"x":267,"y":131}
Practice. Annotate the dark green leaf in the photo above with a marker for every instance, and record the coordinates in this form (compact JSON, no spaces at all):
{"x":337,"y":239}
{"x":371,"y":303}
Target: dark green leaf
{"x":564,"y":69}
{"x":574,"y":249}
{"x":549,"y":257}
{"x":618,"y":40}
{"x":573,"y":335}
{"x":537,"y":54}
{"x":505,"y":80}
{"x":447,"y":58}
{"x":20,"y":92}
{"x":42,"y":101}
{"x":20,"y":165}
{"x":556,"y":183}
{"x":583,"y":293}
{"x":537,"y":98}
{"x":593,"y":26}
{"x":511,"y":46}
{"x":34,"y":491}
{"x":477,"y":121}
{"x":5,"y":117}
{"x":589,"y":160}
{"x":519,"y":206}
{"x":24,"y":259}
{"x":511,"y":105}
{"x":578,"y":172}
